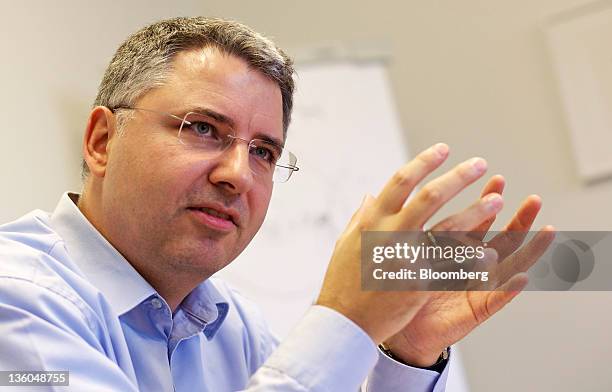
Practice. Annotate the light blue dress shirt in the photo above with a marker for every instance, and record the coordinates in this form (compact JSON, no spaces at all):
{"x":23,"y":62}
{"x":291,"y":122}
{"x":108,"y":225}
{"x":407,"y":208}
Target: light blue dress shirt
{"x":70,"y":301}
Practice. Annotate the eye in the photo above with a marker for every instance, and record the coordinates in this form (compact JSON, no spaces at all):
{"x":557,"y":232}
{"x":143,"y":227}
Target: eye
{"x":264,"y":153}
{"x":261,"y":152}
{"x":202,"y":128}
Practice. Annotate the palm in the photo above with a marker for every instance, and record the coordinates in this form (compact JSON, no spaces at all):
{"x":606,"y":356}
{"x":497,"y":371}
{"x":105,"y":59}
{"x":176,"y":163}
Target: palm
{"x":446,"y":318}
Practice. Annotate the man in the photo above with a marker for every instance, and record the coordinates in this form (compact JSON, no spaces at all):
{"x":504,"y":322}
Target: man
{"x":181,"y":150}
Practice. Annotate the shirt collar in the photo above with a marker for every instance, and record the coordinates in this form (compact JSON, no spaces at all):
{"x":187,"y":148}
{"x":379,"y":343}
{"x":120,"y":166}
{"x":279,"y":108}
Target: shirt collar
{"x":206,"y":304}
{"x":114,"y":276}
{"x":97,"y":259}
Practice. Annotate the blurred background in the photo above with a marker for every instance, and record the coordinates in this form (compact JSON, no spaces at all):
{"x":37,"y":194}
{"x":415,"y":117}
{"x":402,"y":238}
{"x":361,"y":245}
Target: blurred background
{"x":481,"y":76}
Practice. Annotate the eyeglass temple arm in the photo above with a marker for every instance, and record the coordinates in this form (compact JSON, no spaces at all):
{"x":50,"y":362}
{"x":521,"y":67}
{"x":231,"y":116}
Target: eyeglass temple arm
{"x":294,"y":168}
{"x":148,"y":110}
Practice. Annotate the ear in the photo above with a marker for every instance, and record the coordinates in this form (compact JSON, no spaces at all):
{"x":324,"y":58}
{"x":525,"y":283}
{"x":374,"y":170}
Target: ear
{"x":98,"y":134}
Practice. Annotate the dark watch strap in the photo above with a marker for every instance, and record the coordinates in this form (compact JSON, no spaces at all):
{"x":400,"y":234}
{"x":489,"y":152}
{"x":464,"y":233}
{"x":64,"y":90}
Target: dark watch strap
{"x":436,"y":367}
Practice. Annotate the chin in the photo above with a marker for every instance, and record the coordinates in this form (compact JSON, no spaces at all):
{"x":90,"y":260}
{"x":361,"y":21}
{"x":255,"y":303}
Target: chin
{"x":205,"y":260}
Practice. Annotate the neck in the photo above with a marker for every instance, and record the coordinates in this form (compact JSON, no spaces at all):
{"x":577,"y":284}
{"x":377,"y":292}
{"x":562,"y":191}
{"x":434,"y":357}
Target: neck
{"x":173,"y":286}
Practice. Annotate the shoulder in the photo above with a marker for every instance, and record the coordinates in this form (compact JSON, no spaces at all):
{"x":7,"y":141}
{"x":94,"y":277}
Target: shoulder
{"x":29,"y":234}
{"x":36,"y":274}
{"x":26,"y":245}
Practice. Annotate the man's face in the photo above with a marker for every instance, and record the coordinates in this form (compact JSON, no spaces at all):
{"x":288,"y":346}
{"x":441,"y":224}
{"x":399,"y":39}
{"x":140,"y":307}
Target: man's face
{"x":158,"y":194}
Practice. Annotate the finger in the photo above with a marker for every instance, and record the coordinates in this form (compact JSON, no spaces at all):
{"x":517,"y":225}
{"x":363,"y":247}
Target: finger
{"x":525,"y":215}
{"x":438,"y":191}
{"x":526,"y":256}
{"x":473,"y":216}
{"x":496,"y":184}
{"x":484,"y":266}
{"x":499,"y":298}
{"x":513,"y":234}
{"x":396,"y":191}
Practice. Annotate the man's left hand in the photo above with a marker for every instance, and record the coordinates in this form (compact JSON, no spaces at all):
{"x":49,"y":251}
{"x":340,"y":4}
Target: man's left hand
{"x":448,"y":316}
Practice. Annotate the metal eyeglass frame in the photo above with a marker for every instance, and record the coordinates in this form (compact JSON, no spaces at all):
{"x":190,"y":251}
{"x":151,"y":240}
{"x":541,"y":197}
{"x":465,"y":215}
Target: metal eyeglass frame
{"x":291,"y":167}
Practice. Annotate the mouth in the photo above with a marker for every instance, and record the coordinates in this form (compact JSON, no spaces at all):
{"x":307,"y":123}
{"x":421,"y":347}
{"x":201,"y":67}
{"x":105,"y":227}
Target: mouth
{"x":216,"y":218}
{"x":216,"y":213}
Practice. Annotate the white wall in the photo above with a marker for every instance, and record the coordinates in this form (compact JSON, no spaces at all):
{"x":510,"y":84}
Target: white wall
{"x":475,"y":74}
{"x":53,"y":57}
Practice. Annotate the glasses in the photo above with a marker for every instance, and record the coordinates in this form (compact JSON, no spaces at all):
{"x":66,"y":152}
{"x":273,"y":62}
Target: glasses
{"x":266,"y":158}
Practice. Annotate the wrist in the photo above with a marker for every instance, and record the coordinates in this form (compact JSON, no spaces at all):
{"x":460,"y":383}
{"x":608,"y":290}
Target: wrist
{"x":368,"y":325}
{"x":430,"y":361}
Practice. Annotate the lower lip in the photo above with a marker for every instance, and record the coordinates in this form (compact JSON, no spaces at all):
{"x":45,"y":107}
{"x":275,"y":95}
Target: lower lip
{"x":214,"y":222}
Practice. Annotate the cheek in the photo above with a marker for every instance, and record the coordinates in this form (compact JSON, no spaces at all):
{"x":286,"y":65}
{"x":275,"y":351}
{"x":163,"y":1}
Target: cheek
{"x":167,"y":178}
{"x":145,"y":174}
{"x":259,"y":205}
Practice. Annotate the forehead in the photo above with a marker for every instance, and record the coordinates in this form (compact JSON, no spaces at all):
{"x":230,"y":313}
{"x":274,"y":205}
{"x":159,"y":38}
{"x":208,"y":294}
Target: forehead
{"x":226,"y":84}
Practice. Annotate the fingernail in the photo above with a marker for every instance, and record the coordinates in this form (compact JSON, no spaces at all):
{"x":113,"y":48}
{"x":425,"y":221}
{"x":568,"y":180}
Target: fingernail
{"x":493,"y":201}
{"x":441,"y":149}
{"x":479,"y":165}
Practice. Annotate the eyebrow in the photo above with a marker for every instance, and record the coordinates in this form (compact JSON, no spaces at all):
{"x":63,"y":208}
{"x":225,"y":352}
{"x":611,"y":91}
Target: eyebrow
{"x":223,"y":119}
{"x":218,"y":117}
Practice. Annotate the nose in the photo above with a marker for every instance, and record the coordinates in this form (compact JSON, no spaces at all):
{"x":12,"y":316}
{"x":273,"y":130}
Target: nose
{"x":232,"y":171}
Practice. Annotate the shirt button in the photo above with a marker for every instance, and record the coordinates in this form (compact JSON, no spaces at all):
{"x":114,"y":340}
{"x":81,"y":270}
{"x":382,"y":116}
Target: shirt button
{"x":156,"y":303}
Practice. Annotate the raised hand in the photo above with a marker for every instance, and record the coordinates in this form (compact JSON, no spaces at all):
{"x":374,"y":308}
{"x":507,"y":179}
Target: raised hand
{"x":382,"y":314}
{"x":448,"y":316}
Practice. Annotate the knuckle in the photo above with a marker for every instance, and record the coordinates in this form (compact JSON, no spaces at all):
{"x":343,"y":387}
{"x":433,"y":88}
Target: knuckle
{"x":518,"y":222}
{"x":430,"y":194}
{"x":402,"y":179}
{"x":362,"y":226}
{"x":426,"y":158}
{"x":423,"y":159}
{"x":365,"y":224}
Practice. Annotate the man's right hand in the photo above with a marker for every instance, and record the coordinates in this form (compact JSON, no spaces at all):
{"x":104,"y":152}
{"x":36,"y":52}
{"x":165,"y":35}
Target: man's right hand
{"x":381,"y":314}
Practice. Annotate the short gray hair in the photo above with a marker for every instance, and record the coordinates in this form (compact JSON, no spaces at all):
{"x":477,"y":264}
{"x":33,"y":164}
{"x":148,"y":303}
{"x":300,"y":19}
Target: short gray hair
{"x":143,"y":61}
